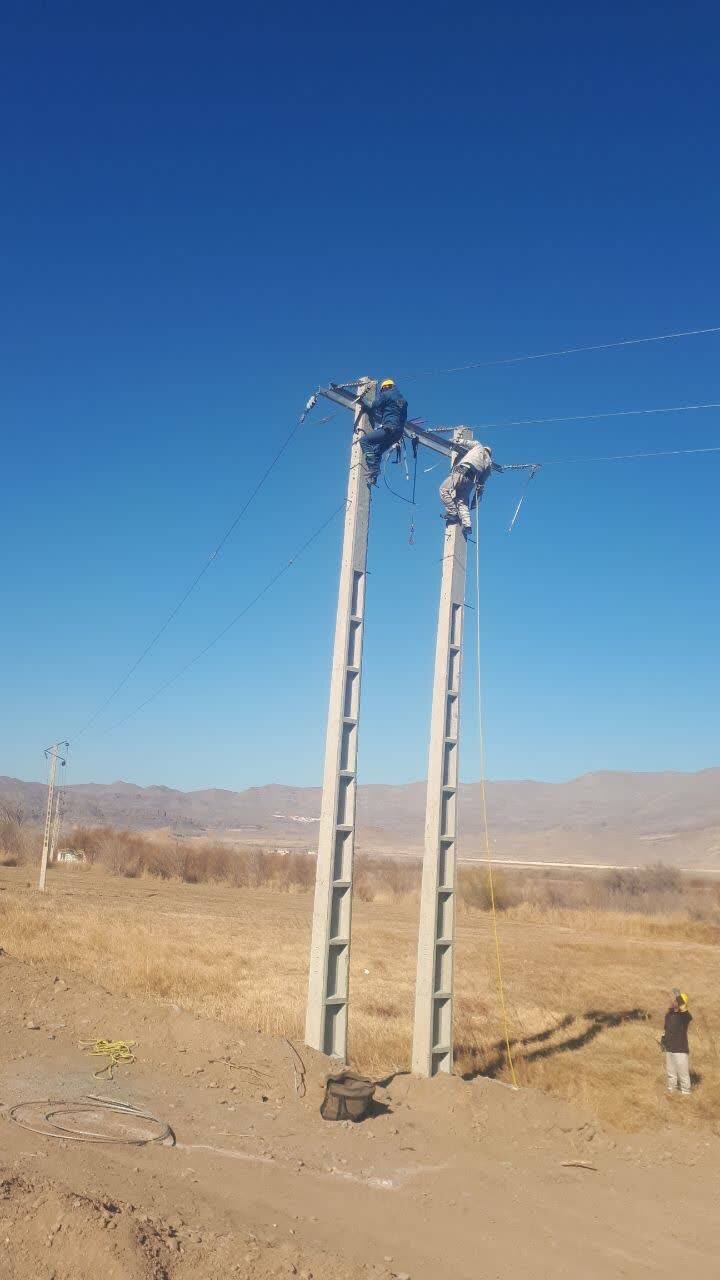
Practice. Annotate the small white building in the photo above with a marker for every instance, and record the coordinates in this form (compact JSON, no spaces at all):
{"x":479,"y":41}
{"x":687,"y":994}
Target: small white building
{"x":70,"y":855}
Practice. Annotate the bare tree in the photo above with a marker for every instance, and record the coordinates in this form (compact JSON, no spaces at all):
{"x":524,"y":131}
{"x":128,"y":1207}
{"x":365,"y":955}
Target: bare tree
{"x":12,"y":811}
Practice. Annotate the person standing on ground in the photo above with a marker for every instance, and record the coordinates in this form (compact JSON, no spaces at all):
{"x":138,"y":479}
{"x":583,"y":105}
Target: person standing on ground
{"x":675,"y":1044}
{"x":388,"y":411}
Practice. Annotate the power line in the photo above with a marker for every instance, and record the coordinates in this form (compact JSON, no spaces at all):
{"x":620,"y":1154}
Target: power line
{"x":211,"y":558}
{"x":201,"y":653}
{"x":565,"y":351}
{"x":321,"y":528}
{"x":591,"y":417}
{"x":626,"y":457}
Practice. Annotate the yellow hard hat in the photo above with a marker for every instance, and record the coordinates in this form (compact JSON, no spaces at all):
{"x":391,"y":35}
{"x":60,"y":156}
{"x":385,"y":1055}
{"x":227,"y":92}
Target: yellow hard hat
{"x":386,"y":382}
{"x":681,"y":997}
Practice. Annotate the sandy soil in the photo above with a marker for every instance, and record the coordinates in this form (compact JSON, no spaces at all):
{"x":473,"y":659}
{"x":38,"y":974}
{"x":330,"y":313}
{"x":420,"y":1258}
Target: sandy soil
{"x":452,"y":1179}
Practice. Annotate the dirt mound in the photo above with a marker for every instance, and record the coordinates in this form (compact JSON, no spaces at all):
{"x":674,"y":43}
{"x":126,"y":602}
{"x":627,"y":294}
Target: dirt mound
{"x":45,"y":1231}
{"x":259,"y":1187}
{"x":51,"y":1232}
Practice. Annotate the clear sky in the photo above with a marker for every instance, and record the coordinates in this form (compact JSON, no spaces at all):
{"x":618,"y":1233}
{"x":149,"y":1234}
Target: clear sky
{"x":206,"y":214}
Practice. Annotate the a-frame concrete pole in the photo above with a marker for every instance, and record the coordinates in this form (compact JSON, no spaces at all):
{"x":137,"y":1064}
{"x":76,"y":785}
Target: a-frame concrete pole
{"x":433,"y":1026}
{"x":327,"y":1007}
{"x":53,"y":753}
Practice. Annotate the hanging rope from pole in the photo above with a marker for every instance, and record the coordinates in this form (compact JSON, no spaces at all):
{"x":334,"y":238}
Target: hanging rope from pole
{"x":411,"y":538}
{"x":483,"y":797}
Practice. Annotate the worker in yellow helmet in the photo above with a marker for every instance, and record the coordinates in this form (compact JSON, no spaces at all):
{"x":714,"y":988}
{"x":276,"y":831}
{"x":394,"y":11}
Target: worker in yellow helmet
{"x":388,"y":411}
{"x":675,"y":1044}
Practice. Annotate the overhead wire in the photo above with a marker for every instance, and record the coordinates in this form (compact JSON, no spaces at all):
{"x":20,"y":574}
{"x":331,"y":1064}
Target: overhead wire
{"x":535,"y":467}
{"x":210,"y":560}
{"x":494,"y":425}
{"x":564,"y":351}
{"x":591,"y":417}
{"x":627,"y":457}
{"x":531,"y":476}
{"x":250,"y":605}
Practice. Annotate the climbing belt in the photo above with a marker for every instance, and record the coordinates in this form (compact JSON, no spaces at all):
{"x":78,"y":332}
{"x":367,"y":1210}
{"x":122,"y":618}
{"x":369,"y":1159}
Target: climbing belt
{"x":488,"y":854}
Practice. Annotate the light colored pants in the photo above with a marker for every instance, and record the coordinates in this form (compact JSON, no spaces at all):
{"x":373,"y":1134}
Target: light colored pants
{"x":677,"y":1066}
{"x":456,"y":493}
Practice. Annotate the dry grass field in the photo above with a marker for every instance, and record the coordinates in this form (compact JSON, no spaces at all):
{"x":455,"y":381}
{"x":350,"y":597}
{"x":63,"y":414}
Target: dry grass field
{"x":586,"y":986}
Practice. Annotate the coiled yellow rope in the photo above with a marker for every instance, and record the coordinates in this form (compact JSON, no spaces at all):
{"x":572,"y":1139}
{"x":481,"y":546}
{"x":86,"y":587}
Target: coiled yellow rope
{"x":114,"y":1050}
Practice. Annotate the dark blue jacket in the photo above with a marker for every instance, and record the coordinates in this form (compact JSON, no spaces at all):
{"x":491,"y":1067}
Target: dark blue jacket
{"x":389,"y":409}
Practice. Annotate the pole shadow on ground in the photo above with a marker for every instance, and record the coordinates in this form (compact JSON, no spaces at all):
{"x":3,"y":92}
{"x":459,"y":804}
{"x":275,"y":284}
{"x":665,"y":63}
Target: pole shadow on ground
{"x":598,"y":1020}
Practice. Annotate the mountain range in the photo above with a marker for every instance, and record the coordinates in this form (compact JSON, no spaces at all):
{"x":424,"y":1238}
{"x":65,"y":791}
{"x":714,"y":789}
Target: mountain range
{"x":603,"y":817}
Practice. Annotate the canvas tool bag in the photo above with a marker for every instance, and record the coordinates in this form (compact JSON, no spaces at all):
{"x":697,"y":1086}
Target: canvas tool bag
{"x":347,"y":1097}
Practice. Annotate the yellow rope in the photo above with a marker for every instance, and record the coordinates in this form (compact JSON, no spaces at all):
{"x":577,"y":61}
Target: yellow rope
{"x":115,"y":1050}
{"x":488,"y":854}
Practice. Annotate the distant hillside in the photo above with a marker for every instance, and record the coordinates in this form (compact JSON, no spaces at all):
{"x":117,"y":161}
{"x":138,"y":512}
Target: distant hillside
{"x":605,"y":817}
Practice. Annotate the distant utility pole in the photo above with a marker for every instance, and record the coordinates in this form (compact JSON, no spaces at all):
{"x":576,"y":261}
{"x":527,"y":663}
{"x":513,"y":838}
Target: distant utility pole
{"x":433,"y":1025}
{"x":328,"y":985}
{"x":57,"y":752}
{"x":57,"y":822}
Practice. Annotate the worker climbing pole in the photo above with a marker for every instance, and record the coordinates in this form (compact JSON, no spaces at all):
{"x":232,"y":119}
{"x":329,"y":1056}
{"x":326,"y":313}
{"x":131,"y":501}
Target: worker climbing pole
{"x":464,"y":486}
{"x":388,"y":411}
{"x":326,"y":1021}
{"x":432,"y":1050}
{"x":432,"y":1034}
{"x":380,"y":423}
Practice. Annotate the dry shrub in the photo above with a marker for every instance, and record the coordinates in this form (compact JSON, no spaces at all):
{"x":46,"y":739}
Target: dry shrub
{"x":578,"y":985}
{"x":130,"y":854}
{"x":658,"y":892}
{"x":638,"y":882}
{"x":125,"y":853}
{"x":19,"y":844}
{"x":385,"y":879}
{"x":478,"y":885}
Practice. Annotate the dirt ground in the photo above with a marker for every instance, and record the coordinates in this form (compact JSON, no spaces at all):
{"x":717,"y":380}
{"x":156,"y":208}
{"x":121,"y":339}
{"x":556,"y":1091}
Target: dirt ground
{"x":448,"y":1178}
{"x":586,"y":991}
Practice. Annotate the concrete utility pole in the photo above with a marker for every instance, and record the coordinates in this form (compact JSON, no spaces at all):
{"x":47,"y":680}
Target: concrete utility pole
{"x":433,"y":1026}
{"x":53,"y":755}
{"x":326,"y":1023}
{"x":55,"y":835}
{"x":327,"y":1008}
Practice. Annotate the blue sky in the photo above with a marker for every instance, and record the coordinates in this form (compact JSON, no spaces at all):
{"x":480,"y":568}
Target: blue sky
{"x":205,"y":216}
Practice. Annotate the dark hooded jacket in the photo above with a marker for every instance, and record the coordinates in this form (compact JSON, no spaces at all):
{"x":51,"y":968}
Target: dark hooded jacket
{"x":675,"y":1039}
{"x":389,"y":409}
